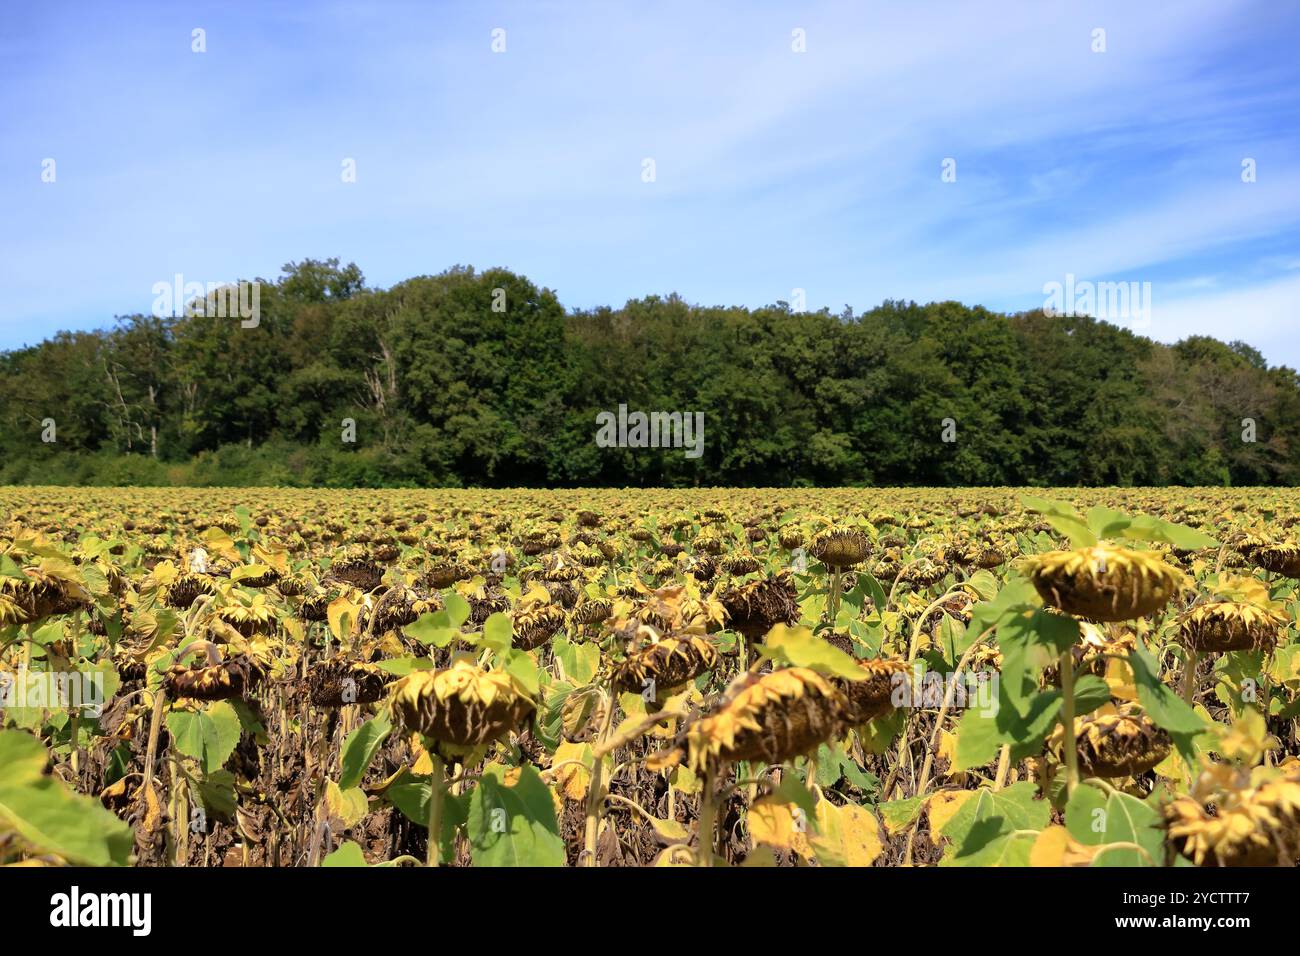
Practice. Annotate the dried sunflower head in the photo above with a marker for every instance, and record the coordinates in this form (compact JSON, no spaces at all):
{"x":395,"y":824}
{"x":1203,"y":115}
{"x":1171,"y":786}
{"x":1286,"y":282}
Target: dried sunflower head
{"x":592,"y":611}
{"x":1231,"y":626}
{"x":1117,"y":744}
{"x":11,"y":611}
{"x":537,"y":625}
{"x":1238,"y":817}
{"x":790,"y":538}
{"x":986,"y":557}
{"x":44,"y":592}
{"x":708,"y":543}
{"x":401,"y":605}
{"x":356,"y":567}
{"x":923,"y":573}
{"x":187,"y":588}
{"x":841,"y":547}
{"x":1104,"y":582}
{"x":295,"y":585}
{"x":754,"y":608}
{"x":446,"y":573}
{"x":461,"y":707}
{"x":265,"y":577}
{"x":338,"y":682}
{"x":873,"y":697}
{"x":232,"y":677}
{"x":678,"y":608}
{"x":739,"y":564}
{"x":560,"y":567}
{"x":771,"y":718}
{"x":1282,"y":557}
{"x":669,"y":663}
{"x":315,"y":606}
{"x":485,"y":603}
{"x":255,"y":617}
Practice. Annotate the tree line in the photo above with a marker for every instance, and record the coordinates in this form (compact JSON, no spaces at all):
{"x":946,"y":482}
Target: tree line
{"x":483,"y":378}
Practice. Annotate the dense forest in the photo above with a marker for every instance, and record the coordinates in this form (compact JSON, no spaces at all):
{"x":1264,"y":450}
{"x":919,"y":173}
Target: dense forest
{"x":482,"y":378}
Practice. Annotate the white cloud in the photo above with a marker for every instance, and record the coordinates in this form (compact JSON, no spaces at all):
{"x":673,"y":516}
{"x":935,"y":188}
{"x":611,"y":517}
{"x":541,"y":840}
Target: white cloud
{"x":1267,"y":316}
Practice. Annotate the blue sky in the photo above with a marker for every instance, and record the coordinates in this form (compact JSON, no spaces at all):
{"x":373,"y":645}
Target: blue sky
{"x":774,"y":170}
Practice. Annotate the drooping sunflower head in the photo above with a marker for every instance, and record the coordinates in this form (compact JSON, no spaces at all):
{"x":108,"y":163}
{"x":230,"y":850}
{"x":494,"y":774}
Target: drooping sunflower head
{"x":707,"y":543}
{"x":1231,"y":626}
{"x":592,"y":611}
{"x":1238,"y":817}
{"x":11,"y":611}
{"x":462,"y":706}
{"x":1121,"y":744}
{"x":1104,"y":582}
{"x":187,"y":588}
{"x":486,"y":602}
{"x":232,"y":677}
{"x":560,"y":567}
{"x":443,"y":574}
{"x":46,"y":590}
{"x":790,"y":538}
{"x":253,"y":617}
{"x":537,"y":625}
{"x":338,"y":682}
{"x":986,"y":556}
{"x":740,"y":564}
{"x":355,"y":566}
{"x":875,"y":696}
{"x":1280,"y":557}
{"x":315,"y":605}
{"x":401,"y":605}
{"x":923,"y":573}
{"x":669,"y":663}
{"x":755,"y":607}
{"x":841,"y":547}
{"x":772,"y":718}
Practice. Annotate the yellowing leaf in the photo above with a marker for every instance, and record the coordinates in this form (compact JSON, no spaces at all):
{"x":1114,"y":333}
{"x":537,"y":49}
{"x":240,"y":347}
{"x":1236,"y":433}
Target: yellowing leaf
{"x":773,"y":823}
{"x":670,"y":831}
{"x":273,"y":555}
{"x":346,"y":808}
{"x":846,"y":836}
{"x":676,"y":855}
{"x":423,"y":765}
{"x":948,"y":749}
{"x":683,"y":778}
{"x":214,"y":539}
{"x":943,"y":804}
{"x":1119,"y":678}
{"x":574,"y":778}
{"x":340,"y":614}
{"x":799,"y":646}
{"x":1050,"y":846}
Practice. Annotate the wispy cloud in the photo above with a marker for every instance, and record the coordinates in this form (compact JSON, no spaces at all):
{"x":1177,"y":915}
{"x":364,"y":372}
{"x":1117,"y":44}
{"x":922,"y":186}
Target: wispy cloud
{"x":775,"y":169}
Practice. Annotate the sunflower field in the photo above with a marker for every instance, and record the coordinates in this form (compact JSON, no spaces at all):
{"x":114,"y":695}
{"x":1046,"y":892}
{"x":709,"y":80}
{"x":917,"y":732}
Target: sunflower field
{"x":597,"y":678}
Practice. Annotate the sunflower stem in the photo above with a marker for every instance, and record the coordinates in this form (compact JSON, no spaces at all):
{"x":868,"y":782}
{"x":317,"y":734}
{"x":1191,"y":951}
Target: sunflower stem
{"x":834,"y":597}
{"x":155,"y":726}
{"x":1067,"y":721}
{"x":1004,"y":766}
{"x":1189,"y":675}
{"x":75,"y":755}
{"x":437,"y":790}
{"x":596,"y":788}
{"x":708,"y":814}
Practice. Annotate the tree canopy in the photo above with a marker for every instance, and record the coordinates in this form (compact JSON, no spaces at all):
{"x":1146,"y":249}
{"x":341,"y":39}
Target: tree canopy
{"x":483,"y":378}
